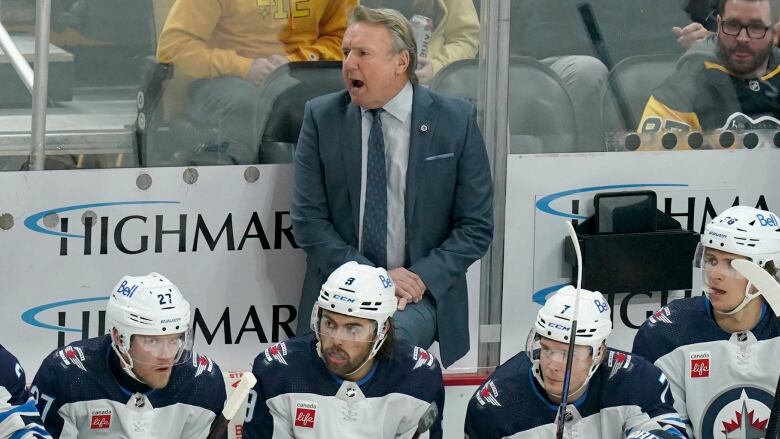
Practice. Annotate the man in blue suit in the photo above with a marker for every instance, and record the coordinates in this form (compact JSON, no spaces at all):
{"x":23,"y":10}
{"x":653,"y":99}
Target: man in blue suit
{"x":388,"y":173}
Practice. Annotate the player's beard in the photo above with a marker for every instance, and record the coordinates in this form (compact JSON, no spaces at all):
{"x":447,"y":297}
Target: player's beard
{"x":759,"y":58}
{"x":350,"y":365}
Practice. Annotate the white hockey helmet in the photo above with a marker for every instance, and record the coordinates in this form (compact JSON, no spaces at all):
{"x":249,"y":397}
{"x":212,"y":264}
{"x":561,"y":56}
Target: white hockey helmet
{"x":358,"y":290}
{"x":744,"y":231}
{"x":554,"y":322}
{"x":148,"y":306}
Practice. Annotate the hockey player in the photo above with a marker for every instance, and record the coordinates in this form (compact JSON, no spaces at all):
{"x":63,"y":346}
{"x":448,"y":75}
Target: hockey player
{"x":720,"y":351}
{"x":18,"y":417}
{"x":140,"y":381}
{"x":354,"y":380}
{"x":612,"y":394}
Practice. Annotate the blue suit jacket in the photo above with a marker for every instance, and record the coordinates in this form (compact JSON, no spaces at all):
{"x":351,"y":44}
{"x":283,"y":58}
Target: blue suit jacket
{"x":448,"y":202}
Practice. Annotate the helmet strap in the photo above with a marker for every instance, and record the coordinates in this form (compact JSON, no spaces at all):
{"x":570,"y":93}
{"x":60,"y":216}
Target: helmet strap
{"x":745,"y":300}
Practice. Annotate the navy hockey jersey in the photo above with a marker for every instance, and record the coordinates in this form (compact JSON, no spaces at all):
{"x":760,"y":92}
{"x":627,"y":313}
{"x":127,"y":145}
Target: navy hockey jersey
{"x":297,"y":397}
{"x":18,"y":416}
{"x":78,"y":395}
{"x":723,"y":382}
{"x":626,"y":394}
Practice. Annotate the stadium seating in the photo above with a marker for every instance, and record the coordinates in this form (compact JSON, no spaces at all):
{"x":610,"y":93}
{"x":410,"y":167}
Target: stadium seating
{"x":636,"y":77}
{"x":540,"y":114}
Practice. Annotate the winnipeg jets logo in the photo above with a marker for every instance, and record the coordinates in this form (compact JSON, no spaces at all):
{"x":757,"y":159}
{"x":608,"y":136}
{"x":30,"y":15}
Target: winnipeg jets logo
{"x":276,"y":352}
{"x":662,"y":315}
{"x":488,"y":394}
{"x":741,"y":412}
{"x":72,"y":355}
{"x":617,"y":361}
{"x":421,"y":358}
{"x":203,"y":364}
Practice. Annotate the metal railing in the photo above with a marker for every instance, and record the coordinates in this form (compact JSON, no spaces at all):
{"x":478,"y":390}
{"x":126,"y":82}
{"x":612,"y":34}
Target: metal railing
{"x":36,"y":81}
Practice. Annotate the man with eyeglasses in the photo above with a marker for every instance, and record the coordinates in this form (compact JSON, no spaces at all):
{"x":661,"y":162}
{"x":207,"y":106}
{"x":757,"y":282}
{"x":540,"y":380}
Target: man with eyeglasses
{"x":141,"y":380}
{"x":720,"y":351}
{"x":351,"y":379}
{"x":612,"y":394}
{"x":734,"y":87}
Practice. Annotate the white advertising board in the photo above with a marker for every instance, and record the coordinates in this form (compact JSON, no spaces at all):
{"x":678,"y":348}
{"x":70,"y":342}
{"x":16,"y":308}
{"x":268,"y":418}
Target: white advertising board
{"x":545,"y":190}
{"x":66,"y":237}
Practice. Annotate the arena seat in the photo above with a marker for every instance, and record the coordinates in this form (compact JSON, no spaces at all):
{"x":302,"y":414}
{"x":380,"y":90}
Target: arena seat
{"x":637,"y":77}
{"x":541,"y":115}
{"x":281,"y":100}
{"x":547,"y":28}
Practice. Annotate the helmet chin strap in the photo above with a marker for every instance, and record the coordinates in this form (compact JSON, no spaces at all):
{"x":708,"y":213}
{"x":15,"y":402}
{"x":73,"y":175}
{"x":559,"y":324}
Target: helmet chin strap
{"x":127,"y":366}
{"x":748,"y":297}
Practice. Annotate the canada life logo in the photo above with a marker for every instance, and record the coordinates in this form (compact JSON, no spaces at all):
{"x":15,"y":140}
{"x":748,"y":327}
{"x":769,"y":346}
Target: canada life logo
{"x":700,"y":364}
{"x":100,"y":420}
{"x":305,"y":412}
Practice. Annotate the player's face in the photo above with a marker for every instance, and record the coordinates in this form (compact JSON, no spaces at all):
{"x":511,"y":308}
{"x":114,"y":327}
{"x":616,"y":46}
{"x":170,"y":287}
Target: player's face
{"x":153,"y":357}
{"x":553,"y":363}
{"x":373,"y":72}
{"x":346,"y":344}
{"x":726,"y":287}
{"x":743,"y":55}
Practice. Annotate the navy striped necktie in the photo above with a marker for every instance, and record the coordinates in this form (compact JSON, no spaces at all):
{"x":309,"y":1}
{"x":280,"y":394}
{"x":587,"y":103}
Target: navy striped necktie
{"x":375,"y":208}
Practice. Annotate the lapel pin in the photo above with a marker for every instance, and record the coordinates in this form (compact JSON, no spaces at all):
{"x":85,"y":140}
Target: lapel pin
{"x":424,"y":128}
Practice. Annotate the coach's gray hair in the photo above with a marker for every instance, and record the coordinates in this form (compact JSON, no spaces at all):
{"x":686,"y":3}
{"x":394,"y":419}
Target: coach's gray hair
{"x":399,"y":27}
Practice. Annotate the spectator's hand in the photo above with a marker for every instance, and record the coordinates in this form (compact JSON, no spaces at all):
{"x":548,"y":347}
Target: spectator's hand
{"x":424,"y":70}
{"x":690,"y":34}
{"x":408,"y":286}
{"x":262,"y":67}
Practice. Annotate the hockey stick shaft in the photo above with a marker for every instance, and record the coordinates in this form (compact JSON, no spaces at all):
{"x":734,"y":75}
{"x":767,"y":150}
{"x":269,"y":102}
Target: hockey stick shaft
{"x":597,"y":41}
{"x":239,"y":395}
{"x":561,"y":418}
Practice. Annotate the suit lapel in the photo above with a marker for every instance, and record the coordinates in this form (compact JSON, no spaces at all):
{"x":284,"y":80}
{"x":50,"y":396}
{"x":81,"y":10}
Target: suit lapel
{"x":421,"y":134}
{"x":351,"y":149}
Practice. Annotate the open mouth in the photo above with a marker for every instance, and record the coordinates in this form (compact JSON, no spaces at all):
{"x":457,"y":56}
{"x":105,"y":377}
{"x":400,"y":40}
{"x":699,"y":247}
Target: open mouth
{"x":717,"y":291}
{"x":356,"y":83}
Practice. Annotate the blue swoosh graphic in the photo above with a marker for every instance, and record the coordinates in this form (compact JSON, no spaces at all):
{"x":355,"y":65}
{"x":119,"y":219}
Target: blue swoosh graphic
{"x":31,"y":222}
{"x":541,"y":296}
{"x":30,"y":316}
{"x":544,"y":203}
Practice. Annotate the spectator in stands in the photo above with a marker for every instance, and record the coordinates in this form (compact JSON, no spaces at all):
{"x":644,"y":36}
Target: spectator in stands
{"x":232,"y":45}
{"x":421,"y":207}
{"x":732,"y":87}
{"x":455,"y":33}
{"x":352,"y":378}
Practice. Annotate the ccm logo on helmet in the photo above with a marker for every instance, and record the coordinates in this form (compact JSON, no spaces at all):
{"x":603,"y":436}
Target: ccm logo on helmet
{"x":558,"y":326}
{"x":125,"y":290}
{"x":718,"y":235}
{"x":343,"y":298}
{"x":766,"y":222}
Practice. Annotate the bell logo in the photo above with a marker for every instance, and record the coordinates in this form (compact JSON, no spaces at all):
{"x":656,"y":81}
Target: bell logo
{"x":305,"y":417}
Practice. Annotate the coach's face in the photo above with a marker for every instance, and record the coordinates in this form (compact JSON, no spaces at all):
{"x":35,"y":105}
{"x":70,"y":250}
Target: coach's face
{"x":374,"y":72}
{"x":742,"y":21}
